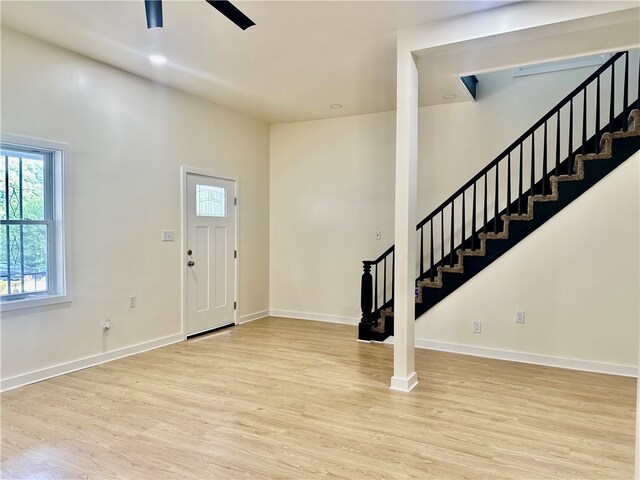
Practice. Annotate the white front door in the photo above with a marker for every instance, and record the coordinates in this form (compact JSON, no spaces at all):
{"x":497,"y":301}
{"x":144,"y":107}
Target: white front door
{"x":211,"y":240}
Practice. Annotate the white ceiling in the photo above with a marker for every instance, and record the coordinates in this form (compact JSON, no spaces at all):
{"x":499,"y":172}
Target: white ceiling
{"x":300,"y":57}
{"x":604,"y":33}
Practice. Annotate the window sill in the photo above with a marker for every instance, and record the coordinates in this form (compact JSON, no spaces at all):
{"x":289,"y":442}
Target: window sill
{"x":9,"y":305}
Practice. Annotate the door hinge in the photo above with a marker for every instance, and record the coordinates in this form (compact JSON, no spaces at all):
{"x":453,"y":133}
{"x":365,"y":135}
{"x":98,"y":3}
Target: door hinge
{"x":235,"y":200}
{"x":235,"y":254}
{"x":235,"y":305}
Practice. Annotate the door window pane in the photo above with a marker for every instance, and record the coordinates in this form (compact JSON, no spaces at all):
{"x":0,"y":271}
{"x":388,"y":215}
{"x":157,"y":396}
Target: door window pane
{"x":211,"y":201}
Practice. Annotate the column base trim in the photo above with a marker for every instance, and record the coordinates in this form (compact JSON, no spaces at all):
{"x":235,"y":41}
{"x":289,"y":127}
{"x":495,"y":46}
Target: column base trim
{"x":400,"y":384}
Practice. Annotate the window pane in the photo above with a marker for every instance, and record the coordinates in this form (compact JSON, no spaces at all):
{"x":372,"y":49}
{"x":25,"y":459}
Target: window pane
{"x":211,"y":201}
{"x":32,"y":189}
{"x":26,"y":187}
{"x":35,"y":258}
{"x":27,"y":252}
{"x":13,"y":193}
{"x":15,"y":258}
{"x":4,"y":288}
{"x":24,"y":195}
{"x":3,"y":187}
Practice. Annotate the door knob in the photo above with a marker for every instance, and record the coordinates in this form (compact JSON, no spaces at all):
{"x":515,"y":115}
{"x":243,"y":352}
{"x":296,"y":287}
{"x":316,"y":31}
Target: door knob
{"x":191,"y":263}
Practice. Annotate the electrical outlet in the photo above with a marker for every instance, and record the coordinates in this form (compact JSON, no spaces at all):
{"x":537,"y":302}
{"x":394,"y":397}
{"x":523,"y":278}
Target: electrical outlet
{"x":132,"y":301}
{"x":106,"y":327}
{"x":168,"y":236}
{"x":477,"y":326}
{"x":378,"y":235}
{"x":519,"y":316}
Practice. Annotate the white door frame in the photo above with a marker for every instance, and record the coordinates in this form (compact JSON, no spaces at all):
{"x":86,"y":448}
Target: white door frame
{"x":184,"y":171}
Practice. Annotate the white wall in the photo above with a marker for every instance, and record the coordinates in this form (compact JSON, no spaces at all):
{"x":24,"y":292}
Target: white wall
{"x":332,"y":189}
{"x":576,"y":278}
{"x":128,"y":138}
{"x":458,"y":139}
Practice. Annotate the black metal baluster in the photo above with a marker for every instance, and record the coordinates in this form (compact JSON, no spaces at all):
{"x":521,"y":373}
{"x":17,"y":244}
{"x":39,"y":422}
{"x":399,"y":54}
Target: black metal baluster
{"x":520,"y":183}
{"x":612,"y":101}
{"x":625,"y":98}
{"x":431,"y":251}
{"x":473,"y":220}
{"x":484,"y":224}
{"x":384,"y":283}
{"x":442,"y":237}
{"x":557,"y":169}
{"x":533,"y":161}
{"x":421,"y":251}
{"x":375,"y":287}
{"x":544,"y":161}
{"x":570,"y":159}
{"x":393,"y":274}
{"x":452,"y":229}
{"x":463,"y":223}
{"x":597,"y":136}
{"x":509,"y":183}
{"x":495,"y":205}
{"x":584,"y":121}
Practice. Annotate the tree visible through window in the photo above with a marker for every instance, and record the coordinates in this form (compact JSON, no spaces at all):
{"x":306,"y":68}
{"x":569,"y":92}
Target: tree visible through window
{"x":26,"y":221}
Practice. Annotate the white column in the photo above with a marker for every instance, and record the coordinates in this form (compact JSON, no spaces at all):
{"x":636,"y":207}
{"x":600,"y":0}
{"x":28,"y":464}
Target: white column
{"x":404,"y":375}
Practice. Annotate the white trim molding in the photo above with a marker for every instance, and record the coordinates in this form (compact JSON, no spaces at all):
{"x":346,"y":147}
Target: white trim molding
{"x":253,"y":316}
{"x":531,"y":358}
{"x":400,"y":384}
{"x":81,"y":364}
{"x":59,"y":270}
{"x":318,"y":317}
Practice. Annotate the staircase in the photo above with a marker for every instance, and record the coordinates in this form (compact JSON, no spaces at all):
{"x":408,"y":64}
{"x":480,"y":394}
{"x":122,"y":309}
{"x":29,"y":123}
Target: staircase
{"x":597,"y":128}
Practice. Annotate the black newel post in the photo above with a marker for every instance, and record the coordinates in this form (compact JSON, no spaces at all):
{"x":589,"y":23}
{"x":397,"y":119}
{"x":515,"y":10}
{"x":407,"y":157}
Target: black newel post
{"x":366,"y":303}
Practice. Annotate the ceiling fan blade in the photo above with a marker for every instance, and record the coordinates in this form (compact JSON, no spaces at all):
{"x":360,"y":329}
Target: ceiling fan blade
{"x":226,"y":8}
{"x":153,"y":9}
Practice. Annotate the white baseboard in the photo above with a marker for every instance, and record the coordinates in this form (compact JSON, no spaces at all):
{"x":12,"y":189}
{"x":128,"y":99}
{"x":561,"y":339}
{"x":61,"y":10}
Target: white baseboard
{"x":533,"y":358}
{"x":253,"y":316}
{"x":318,"y":317}
{"x":75,"y":365}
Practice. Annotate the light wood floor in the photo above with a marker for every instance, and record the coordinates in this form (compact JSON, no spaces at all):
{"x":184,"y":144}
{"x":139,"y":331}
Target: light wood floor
{"x":294,"y":399}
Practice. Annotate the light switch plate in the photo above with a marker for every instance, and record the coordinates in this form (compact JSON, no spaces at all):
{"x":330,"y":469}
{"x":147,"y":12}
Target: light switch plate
{"x":168,"y":236}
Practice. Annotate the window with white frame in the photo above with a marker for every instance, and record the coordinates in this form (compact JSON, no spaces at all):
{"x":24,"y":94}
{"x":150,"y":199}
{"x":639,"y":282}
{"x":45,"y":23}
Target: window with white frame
{"x":32,"y":269}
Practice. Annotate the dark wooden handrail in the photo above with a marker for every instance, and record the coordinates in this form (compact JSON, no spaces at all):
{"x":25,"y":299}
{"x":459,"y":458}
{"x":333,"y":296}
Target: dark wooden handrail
{"x":381,"y":257}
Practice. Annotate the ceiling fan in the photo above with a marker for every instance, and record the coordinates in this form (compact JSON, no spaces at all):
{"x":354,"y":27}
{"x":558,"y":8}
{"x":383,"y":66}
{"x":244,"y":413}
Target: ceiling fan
{"x":153,"y":9}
